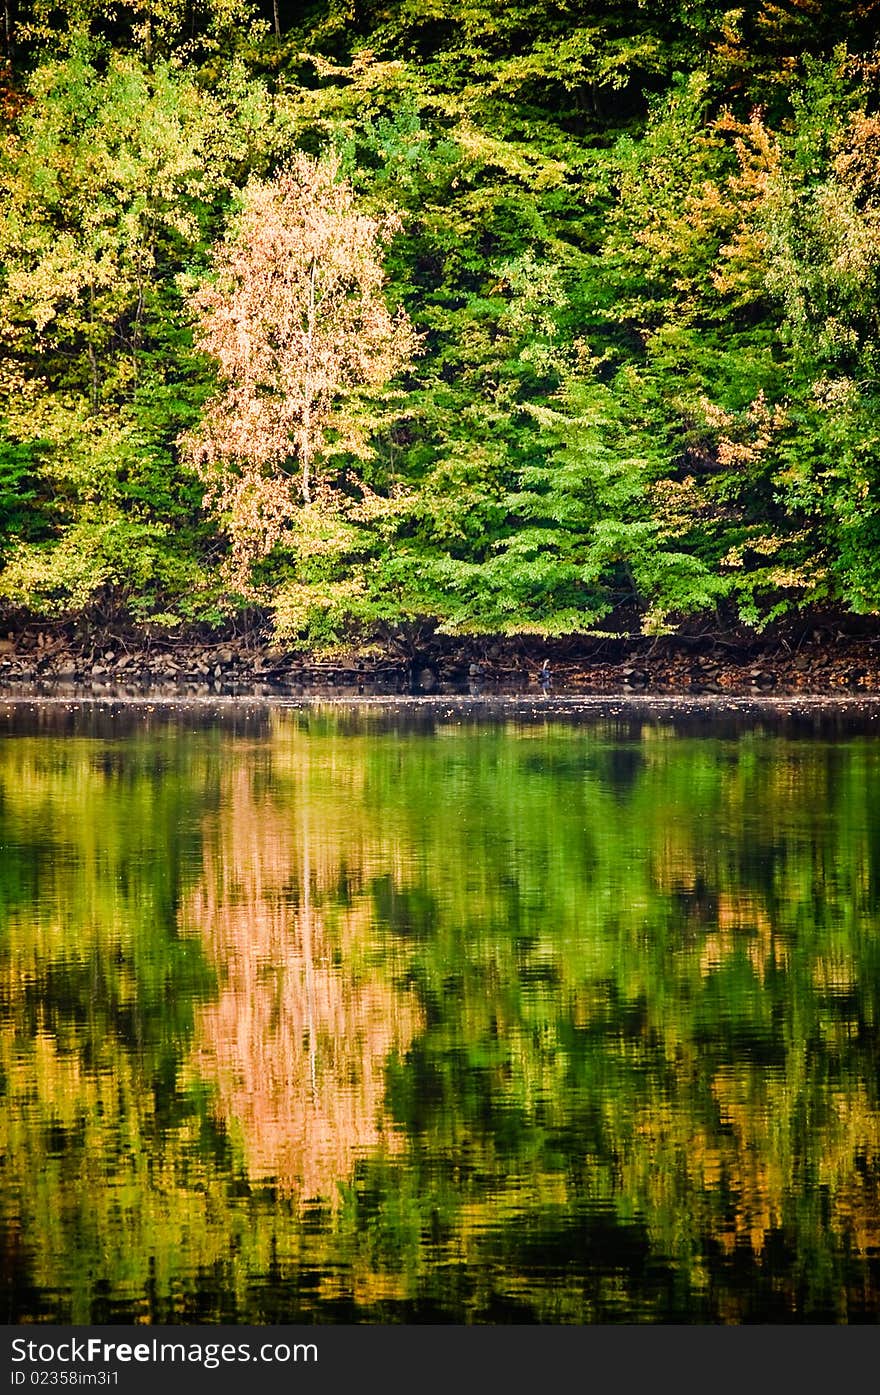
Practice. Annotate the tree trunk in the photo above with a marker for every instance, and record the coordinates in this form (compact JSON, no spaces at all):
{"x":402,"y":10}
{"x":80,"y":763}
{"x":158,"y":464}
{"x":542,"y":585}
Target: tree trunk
{"x":144,"y":261}
{"x":277,"y":21}
{"x":305,"y":449}
{"x":305,"y":456}
{"x":93,"y":357}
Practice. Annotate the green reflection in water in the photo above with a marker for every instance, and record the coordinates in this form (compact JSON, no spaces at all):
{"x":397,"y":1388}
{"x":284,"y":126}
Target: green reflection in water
{"x":306,"y":1018}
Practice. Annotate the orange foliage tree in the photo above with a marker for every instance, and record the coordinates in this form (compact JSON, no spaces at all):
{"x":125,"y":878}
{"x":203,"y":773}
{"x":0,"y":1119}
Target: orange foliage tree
{"x":296,"y":318}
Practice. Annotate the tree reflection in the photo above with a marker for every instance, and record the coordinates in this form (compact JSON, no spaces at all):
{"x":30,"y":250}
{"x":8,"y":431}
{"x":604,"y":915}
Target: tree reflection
{"x":548,"y":1024}
{"x":306,"y":1018}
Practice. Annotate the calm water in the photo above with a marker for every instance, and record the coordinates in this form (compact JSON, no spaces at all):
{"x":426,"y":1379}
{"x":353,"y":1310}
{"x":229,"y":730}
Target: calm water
{"x":339,"y":1017}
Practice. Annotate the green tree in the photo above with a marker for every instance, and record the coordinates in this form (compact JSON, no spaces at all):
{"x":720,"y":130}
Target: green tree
{"x":110,"y":182}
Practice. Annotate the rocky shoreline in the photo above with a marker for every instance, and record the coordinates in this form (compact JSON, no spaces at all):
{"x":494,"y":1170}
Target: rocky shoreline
{"x":818,"y":662}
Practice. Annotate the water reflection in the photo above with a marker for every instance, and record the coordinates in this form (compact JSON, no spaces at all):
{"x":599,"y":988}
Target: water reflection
{"x":311,"y":1017}
{"x":307,"y":1015}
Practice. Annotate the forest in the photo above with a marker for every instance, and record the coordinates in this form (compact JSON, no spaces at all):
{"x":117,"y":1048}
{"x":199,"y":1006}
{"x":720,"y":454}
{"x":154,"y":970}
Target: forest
{"x":512,"y":317}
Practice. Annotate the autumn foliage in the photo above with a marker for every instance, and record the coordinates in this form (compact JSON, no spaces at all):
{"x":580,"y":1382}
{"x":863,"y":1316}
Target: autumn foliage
{"x":297,"y":321}
{"x":507,"y":318}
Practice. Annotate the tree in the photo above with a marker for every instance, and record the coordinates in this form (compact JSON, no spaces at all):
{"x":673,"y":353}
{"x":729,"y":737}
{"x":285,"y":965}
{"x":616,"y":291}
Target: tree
{"x":113,"y":177}
{"x":151,"y":28}
{"x":297,"y":321}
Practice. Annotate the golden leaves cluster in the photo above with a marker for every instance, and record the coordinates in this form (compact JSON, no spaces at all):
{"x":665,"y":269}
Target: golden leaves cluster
{"x":296,"y":319}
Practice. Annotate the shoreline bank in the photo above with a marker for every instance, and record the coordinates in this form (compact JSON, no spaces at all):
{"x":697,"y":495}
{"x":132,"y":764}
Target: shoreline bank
{"x":847,"y":667}
{"x":817,"y":662}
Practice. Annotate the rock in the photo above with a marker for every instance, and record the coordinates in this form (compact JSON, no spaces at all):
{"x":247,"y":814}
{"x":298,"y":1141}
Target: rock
{"x":426,"y":679}
{"x":635,"y":677}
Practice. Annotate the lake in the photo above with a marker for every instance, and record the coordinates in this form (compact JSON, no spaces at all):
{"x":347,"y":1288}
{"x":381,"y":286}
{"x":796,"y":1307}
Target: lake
{"x":439,"y":1014}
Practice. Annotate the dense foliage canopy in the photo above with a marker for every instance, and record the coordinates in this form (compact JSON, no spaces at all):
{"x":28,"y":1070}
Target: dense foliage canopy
{"x":625,"y":259}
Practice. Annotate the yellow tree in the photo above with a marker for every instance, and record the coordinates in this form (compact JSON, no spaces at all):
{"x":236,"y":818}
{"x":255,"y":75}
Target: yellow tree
{"x":296,"y":318}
